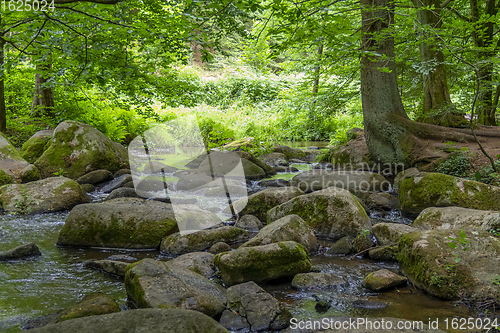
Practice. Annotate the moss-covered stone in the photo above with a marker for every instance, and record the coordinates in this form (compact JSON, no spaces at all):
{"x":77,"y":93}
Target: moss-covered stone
{"x":263,"y":263}
{"x":288,"y":228}
{"x":332,"y":213}
{"x":77,"y":149}
{"x":457,"y":218}
{"x":35,"y":146}
{"x":464,"y":272}
{"x":390,"y":233}
{"x":29,"y":174}
{"x":383,"y":279}
{"x":342,"y":246}
{"x":260,"y":203}
{"x":156,"y":284}
{"x":91,"y":305}
{"x":119,"y":223}
{"x":46,"y":195}
{"x":439,"y":190}
{"x":385,"y":253}
{"x":11,"y":163}
{"x":290,"y":153}
{"x":6,"y":178}
{"x":177,"y":244}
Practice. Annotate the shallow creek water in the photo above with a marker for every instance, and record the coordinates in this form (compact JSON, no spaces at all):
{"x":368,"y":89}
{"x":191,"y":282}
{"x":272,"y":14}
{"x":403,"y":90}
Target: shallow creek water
{"x":57,"y":279}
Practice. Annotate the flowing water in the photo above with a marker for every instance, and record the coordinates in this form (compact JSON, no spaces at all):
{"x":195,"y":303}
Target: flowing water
{"x":46,"y":284}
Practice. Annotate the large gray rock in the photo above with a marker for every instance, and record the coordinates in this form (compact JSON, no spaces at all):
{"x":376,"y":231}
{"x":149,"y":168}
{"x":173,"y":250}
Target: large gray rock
{"x":260,"y":203}
{"x":46,"y":195}
{"x":421,"y":191}
{"x":221,"y":163}
{"x":11,"y":162}
{"x":383,"y":279}
{"x":332,"y":213}
{"x":288,"y":228}
{"x":122,"y":192}
{"x":390,"y":233}
{"x":468,"y":269}
{"x":457,"y":218}
{"x":139,"y":321}
{"x":95,"y":177}
{"x":275,"y":159}
{"x":249,"y":223}
{"x":156,"y":284}
{"x":20,"y":252}
{"x":290,"y":152}
{"x":36,"y":145}
{"x":263,"y":263}
{"x":29,"y":173}
{"x":177,"y":244}
{"x":108,"y":266}
{"x":198,"y":262}
{"x":318,"y":179}
{"x":77,"y":149}
{"x":255,"y":310}
{"x":91,"y":305}
{"x":120,"y":223}
{"x":116,"y":183}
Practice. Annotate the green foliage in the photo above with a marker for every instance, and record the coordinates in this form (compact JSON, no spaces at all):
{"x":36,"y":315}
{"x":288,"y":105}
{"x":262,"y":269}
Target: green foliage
{"x":214,"y":133}
{"x":59,"y":173}
{"x":457,"y":164}
{"x":459,"y":242}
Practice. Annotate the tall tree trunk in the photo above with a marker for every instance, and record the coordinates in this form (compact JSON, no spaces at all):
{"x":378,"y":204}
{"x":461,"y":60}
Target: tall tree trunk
{"x":437,"y":107}
{"x":379,"y":90}
{"x":317,"y":70}
{"x":43,"y":99}
{"x":483,"y":39}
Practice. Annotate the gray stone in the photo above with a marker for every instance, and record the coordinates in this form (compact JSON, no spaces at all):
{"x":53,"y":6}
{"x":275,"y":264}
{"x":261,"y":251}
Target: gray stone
{"x":122,"y":192}
{"x":390,"y":233}
{"x":177,"y":244}
{"x":457,"y":218}
{"x":219,"y":247}
{"x":156,"y":284}
{"x":108,"y":266}
{"x":95,"y":177}
{"x":275,"y":159}
{"x":288,"y":228}
{"x":263,"y":263}
{"x":198,"y":262}
{"x":139,"y":321}
{"x":342,"y":246}
{"x":29,"y":174}
{"x":116,"y":183}
{"x":20,"y":252}
{"x":384,"y":279}
{"x":385,"y":253}
{"x":34,"y":147}
{"x":249,"y":223}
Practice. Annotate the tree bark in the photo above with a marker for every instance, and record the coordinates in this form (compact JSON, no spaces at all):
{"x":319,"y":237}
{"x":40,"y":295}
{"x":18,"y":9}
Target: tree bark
{"x":437,"y":107}
{"x":43,"y":99}
{"x":483,"y":39}
{"x":317,"y":70}
{"x":379,"y":90}
{"x":3,"y":112}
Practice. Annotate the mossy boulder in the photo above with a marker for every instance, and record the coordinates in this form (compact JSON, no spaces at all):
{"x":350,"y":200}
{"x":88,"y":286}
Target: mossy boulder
{"x":343,"y":246}
{"x":221,"y":163}
{"x":6,"y":177}
{"x":384,"y":253}
{"x":304,"y":281}
{"x":35,"y":146}
{"x":290,"y":153}
{"x":439,"y":190}
{"x":95,"y":177}
{"x":263,"y":263}
{"x":177,"y":244}
{"x":332,"y":213}
{"x":91,"y":305}
{"x":380,"y":201}
{"x":288,"y":228}
{"x":249,"y":223}
{"x":198,"y":262}
{"x":46,"y":195}
{"x":250,"y":308}
{"x":156,"y":284}
{"x":384,"y":279}
{"x":120,"y":223}
{"x":467,"y":271}
{"x":20,"y":252}
{"x":109,"y":266}
{"x":457,"y":218}
{"x":141,"y":320}
{"x":260,"y":203}
{"x":219,"y":247}
{"x":77,"y":149}
{"x":275,"y":159}
{"x":318,"y":179}
{"x":11,"y":162}
{"x":29,"y":174}
{"x":390,"y":233}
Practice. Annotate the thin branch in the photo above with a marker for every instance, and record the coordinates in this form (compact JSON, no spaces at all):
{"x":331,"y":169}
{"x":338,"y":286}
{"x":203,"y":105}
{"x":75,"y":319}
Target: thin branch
{"x":16,"y":25}
{"x":211,"y":16}
{"x":445,"y":3}
{"x":36,"y":36}
{"x":264,"y":27}
{"x":14,"y":46}
{"x":95,"y":17}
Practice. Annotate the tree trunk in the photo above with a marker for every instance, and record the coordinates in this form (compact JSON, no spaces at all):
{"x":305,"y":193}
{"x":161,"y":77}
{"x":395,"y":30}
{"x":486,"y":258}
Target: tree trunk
{"x":483,"y":39}
{"x":43,"y":99}
{"x":391,"y":137}
{"x":3,"y":113}
{"x":317,"y":70}
{"x":379,"y":90}
{"x":437,"y":107}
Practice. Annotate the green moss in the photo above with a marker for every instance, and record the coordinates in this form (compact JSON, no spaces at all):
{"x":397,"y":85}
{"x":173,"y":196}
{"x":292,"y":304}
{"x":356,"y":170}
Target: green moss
{"x":34,"y":148}
{"x":134,"y":289}
{"x":5,"y":178}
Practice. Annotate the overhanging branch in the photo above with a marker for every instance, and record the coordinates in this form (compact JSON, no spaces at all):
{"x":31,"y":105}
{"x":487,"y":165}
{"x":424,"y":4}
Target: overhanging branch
{"x":102,"y":2}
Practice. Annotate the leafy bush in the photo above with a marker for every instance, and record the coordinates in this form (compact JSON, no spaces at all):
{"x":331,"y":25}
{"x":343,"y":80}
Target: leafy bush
{"x":214,"y":133}
{"x":457,"y":164}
